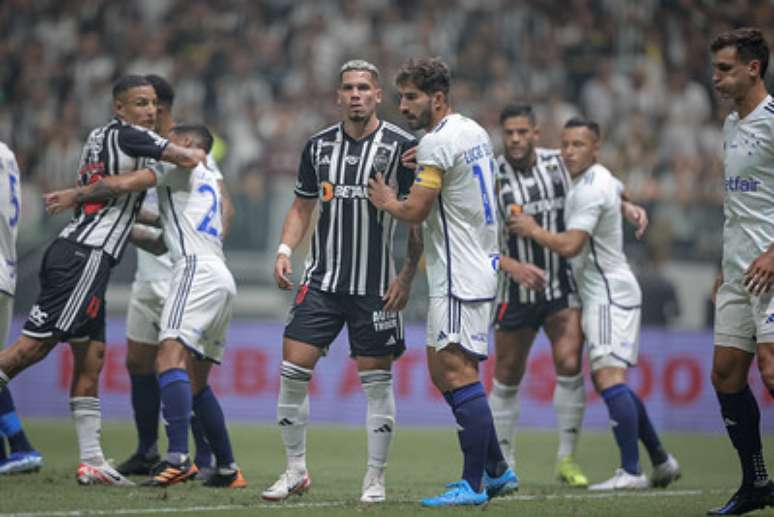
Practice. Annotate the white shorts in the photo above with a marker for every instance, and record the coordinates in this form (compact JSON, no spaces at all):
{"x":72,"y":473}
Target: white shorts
{"x":612,"y":335}
{"x":741,"y":319}
{"x":145,"y":306}
{"x":198,"y":309}
{"x":450,"y":320}
{"x":6,"y":314}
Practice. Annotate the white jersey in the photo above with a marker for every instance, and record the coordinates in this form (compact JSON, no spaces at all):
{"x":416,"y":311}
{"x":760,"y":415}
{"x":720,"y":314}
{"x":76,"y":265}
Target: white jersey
{"x":10,"y":210}
{"x":460,"y":233}
{"x":749,"y":188}
{"x":190,"y":205}
{"x":152,"y":267}
{"x":602,"y":275}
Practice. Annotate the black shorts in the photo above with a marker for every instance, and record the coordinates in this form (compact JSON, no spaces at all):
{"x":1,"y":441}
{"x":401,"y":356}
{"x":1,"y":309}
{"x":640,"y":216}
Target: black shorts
{"x":516,"y":316}
{"x":317,"y":317}
{"x":71,"y":303}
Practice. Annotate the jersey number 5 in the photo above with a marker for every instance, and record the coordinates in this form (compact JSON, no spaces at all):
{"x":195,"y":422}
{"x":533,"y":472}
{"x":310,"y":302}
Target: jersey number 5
{"x":13,"y":182}
{"x":204,"y":225}
{"x":479,"y":174}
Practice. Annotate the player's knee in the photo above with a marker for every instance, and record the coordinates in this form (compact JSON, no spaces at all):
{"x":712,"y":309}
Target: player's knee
{"x":567,"y":365}
{"x":766,"y":368}
{"x":726,"y":379}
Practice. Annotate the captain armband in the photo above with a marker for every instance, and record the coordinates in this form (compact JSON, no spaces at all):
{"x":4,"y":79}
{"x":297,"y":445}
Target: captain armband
{"x":429,"y":177}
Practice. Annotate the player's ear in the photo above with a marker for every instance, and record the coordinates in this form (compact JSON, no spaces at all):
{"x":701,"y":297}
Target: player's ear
{"x":379,"y":95}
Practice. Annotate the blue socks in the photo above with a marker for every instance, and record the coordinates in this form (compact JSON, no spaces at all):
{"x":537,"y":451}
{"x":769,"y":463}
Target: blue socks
{"x":207,"y":408}
{"x":10,"y":425}
{"x":146,"y":403}
{"x":176,"y":405}
{"x":474,"y":418}
{"x":203,"y":450}
{"x":742,"y":419}
{"x":647,"y":433}
{"x":625,"y":422}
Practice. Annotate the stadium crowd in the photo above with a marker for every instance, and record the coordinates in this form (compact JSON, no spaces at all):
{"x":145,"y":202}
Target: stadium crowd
{"x":255,"y":70}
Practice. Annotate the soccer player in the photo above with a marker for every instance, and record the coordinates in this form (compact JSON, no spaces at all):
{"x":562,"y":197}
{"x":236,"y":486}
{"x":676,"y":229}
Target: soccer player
{"x":76,"y":266}
{"x":538,"y":290}
{"x":349,"y":277}
{"x":149,"y":291}
{"x":453,"y":197}
{"x":197,"y":311}
{"x":610,"y":297}
{"x":743,"y":296}
{"x":23,"y":457}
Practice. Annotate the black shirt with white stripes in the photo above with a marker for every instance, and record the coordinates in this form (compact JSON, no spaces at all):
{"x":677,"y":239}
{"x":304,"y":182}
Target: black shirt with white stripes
{"x":540,"y":192}
{"x":351,"y":249}
{"x":115,"y":148}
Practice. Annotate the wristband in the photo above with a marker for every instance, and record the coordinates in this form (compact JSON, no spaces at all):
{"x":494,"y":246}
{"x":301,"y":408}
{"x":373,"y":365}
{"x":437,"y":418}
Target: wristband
{"x":284,"y":249}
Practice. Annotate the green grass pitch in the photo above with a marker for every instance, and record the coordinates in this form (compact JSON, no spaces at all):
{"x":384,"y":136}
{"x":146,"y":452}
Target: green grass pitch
{"x":421,"y":461}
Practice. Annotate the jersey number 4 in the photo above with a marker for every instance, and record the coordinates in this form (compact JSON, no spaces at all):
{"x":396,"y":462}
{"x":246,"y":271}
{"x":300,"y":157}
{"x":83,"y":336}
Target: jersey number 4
{"x":205,"y":225}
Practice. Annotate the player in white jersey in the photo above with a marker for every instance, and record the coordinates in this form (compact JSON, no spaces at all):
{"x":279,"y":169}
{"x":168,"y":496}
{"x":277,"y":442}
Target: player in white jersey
{"x":454,"y":199}
{"x":77,"y":265}
{"x":23,"y":457}
{"x":197,"y":311}
{"x":610,"y":299}
{"x":149,"y":292}
{"x":744,"y":302}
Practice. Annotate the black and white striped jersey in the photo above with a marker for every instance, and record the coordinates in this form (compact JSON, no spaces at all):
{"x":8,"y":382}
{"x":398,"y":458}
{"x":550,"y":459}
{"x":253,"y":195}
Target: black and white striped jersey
{"x":115,"y":148}
{"x":540,"y":192}
{"x":351,"y":250}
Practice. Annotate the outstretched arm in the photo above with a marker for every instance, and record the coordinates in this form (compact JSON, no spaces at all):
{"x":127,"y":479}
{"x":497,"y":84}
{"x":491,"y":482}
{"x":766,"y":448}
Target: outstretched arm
{"x":102,"y":190}
{"x":567,"y":244}
{"x":185,"y":157}
{"x":414,"y":209}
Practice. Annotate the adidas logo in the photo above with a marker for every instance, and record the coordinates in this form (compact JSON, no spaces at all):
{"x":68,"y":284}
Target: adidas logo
{"x":285,"y":422}
{"x":383,"y":429}
{"x":391,"y":341}
{"x":728,"y":422}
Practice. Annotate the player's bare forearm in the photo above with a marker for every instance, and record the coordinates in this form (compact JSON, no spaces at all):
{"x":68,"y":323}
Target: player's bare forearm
{"x":567,"y":244}
{"x":297,"y":221}
{"x":116,"y":186}
{"x":227,"y":208}
{"x":152,"y":242}
{"x":186,"y":157}
{"x":413,"y":253}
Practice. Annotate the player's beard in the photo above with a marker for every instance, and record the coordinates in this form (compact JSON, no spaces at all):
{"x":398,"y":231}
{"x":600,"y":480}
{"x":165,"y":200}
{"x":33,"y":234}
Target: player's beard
{"x":524,"y":162}
{"x":422,"y":120}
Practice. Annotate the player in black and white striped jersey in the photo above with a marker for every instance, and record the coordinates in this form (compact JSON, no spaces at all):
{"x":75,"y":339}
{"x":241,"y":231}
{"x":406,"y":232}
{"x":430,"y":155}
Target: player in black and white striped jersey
{"x":76,"y":266}
{"x":537,"y":289}
{"x":349,"y":275}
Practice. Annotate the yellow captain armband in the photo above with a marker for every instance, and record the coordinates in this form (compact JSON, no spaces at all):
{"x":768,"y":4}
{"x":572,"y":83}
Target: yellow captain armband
{"x":429,"y":177}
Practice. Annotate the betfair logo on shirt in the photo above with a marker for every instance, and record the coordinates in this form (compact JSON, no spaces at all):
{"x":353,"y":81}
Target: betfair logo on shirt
{"x":328,"y":191}
{"x":740,"y":184}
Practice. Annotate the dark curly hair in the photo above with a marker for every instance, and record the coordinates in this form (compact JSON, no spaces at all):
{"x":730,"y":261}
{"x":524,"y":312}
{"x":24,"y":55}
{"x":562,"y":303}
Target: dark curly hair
{"x":429,"y":75}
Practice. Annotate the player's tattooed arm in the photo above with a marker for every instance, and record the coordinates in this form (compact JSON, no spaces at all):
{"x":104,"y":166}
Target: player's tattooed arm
{"x":227,"y":207}
{"x":102,"y":190}
{"x":148,"y":240}
{"x":186,"y":157}
{"x":397,"y":295}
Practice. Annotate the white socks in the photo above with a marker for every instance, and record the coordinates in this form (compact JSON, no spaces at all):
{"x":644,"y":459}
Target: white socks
{"x":293,"y":413}
{"x":504,"y":401}
{"x":380,"y":415}
{"x":569,"y":406}
{"x":88,"y":424}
